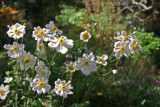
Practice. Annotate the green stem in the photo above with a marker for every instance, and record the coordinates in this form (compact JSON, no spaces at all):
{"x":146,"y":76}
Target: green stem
{"x":86,"y":93}
{"x":63,"y":102}
{"x":81,"y":44}
{"x":25,"y":88}
{"x":16,"y":97}
{"x":51,"y":99}
{"x":52,"y":60}
{"x":53,"y":57}
{"x":113,"y":60}
{"x":62,"y":74}
{"x":106,"y":74}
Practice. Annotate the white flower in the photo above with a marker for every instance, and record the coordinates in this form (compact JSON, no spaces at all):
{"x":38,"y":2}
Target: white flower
{"x":8,"y":79}
{"x":28,"y":59}
{"x":4,"y":90}
{"x":71,"y":67}
{"x":102,"y":59}
{"x":40,"y":85}
{"x":16,"y":31}
{"x":86,"y":64}
{"x":114,"y":71}
{"x":14,"y":50}
{"x":85,"y":36}
{"x":121,"y":48}
{"x":62,"y":88}
{"x":135,"y":47}
{"x":41,"y":64}
{"x":28,"y":78}
{"x":40,"y":34}
{"x":42,"y":71}
{"x":40,"y":46}
{"x":61,"y":44}
{"x":123,"y":36}
{"x":53,"y":29}
{"x":45,"y":103}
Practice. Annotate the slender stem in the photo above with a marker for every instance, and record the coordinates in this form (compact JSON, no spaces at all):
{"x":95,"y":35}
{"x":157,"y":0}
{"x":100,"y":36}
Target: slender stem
{"x":62,"y":74}
{"x":52,"y":59}
{"x":106,"y":74}
{"x":86,"y":93}
{"x":51,"y":99}
{"x":25,"y":88}
{"x":16,"y":97}
{"x":63,"y":102}
{"x":78,"y":83}
{"x":81,"y":44}
{"x":113,"y":60}
{"x":46,"y":57}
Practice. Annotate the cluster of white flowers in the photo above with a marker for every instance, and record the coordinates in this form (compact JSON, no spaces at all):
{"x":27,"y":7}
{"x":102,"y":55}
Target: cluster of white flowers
{"x":51,"y":34}
{"x":125,"y":45}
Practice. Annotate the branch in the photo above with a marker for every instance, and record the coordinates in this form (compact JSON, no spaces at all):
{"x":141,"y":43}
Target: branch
{"x":141,"y":4}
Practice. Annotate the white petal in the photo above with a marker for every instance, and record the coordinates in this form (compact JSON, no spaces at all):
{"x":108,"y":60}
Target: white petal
{"x":105,"y":57}
{"x":62,"y":49}
{"x":85,"y":70}
{"x":104,"y":62}
{"x":53,"y":45}
{"x":93,"y":66}
{"x":68,"y":43}
{"x":118,"y":55}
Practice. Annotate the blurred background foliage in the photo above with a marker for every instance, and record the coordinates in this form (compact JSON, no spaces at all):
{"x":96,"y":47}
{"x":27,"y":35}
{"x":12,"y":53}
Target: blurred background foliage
{"x":134,"y":85}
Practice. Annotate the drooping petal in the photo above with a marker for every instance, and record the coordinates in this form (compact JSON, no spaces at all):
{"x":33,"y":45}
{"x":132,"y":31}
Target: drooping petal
{"x":85,"y":70}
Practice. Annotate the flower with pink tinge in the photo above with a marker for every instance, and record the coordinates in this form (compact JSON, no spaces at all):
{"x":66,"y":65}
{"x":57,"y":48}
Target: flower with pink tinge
{"x":65,"y":63}
{"x":127,"y":86}
{"x":158,"y":73}
{"x":133,"y":80}
{"x":67,"y":55}
{"x":70,"y":62}
{"x":70,"y":56}
{"x":148,"y":93}
{"x":156,"y":82}
{"x":139,"y":85}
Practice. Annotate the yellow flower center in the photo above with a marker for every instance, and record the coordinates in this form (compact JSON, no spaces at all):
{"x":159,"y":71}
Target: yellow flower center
{"x":40,"y":47}
{"x":41,"y":84}
{"x":27,"y":59}
{"x":31,"y":78}
{"x":41,"y":33}
{"x":70,"y":67}
{"x":63,"y":87}
{"x":40,"y":41}
{"x":134,"y":46}
{"x":85,"y":36}
{"x":125,"y":38}
{"x":54,"y":28}
{"x":1,"y":91}
{"x":61,"y":40}
{"x":122,"y":48}
{"x":100,"y":59}
{"x":14,"y":48}
{"x":86,"y":62}
{"x":16,"y":31}
{"x":46,"y":103}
